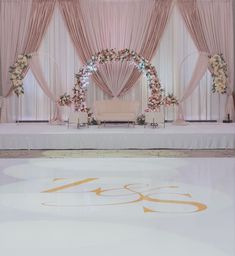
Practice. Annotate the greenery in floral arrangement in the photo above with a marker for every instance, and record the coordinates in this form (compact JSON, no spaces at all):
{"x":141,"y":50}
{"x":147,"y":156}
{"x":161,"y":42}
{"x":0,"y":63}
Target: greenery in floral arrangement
{"x":219,"y":73}
{"x":65,"y":100}
{"x":140,"y":119}
{"x":16,"y":73}
{"x":169,"y":100}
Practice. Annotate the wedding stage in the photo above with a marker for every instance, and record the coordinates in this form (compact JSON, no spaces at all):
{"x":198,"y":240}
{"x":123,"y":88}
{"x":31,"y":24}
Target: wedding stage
{"x":117,"y":136}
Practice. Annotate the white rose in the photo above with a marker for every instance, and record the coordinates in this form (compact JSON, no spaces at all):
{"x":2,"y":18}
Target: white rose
{"x":220,"y":71}
{"x":20,"y":62}
{"x":17,"y":82}
{"x":18,"y":91}
{"x":23,"y":66}
{"x":13,"y":77}
{"x":25,"y":60}
{"x":14,"y":82}
{"x":18,"y":71}
{"x":222,"y":76}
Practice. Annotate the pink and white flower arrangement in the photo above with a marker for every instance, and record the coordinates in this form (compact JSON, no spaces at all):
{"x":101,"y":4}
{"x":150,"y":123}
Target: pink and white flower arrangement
{"x":16,"y":73}
{"x":219,"y":73}
{"x":65,"y":100}
{"x":79,"y":97}
{"x":170,"y":100}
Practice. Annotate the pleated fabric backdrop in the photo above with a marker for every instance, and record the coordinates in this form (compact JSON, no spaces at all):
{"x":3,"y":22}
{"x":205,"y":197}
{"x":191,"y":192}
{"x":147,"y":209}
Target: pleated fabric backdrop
{"x":175,"y":61}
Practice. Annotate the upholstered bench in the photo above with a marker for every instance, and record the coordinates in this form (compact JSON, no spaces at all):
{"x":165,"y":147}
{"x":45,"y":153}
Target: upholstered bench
{"x":116,"y":110}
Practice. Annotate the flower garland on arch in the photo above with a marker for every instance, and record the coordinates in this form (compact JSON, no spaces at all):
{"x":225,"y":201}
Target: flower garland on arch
{"x":16,"y":73}
{"x":219,"y":72}
{"x":156,"y":99}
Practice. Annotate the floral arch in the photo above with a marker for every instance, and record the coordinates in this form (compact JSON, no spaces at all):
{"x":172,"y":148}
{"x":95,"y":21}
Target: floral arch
{"x":156,"y":98}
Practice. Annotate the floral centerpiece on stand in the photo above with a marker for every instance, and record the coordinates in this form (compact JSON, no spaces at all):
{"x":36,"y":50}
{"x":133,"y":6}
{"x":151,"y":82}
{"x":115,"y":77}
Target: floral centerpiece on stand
{"x":65,"y":100}
{"x":156,"y":100}
{"x":219,"y":71}
{"x":16,"y":73}
{"x":170,"y":100}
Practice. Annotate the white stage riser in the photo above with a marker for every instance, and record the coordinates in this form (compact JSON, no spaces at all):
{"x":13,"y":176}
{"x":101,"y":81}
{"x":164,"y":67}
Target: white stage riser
{"x":41,"y":136}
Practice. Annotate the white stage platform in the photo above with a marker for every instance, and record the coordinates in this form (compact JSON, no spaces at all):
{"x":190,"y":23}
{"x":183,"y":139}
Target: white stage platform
{"x":117,"y":136}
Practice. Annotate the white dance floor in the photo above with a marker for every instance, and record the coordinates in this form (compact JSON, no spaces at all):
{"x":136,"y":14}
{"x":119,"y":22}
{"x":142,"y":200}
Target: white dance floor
{"x":117,"y":136}
{"x":117,"y":206}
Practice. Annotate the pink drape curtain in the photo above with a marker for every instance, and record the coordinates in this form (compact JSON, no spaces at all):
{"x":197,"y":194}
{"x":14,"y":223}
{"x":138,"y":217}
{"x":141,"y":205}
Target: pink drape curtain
{"x":217,"y":21}
{"x":210,"y":24}
{"x":23,"y":24}
{"x":153,"y":33}
{"x":40,"y":17}
{"x":42,"y":11}
{"x":96,"y":25}
{"x":36,"y":69}
{"x":14,"y":23}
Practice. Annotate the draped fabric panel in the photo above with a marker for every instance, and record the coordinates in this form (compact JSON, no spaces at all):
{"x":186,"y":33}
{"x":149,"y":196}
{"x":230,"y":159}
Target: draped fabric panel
{"x":59,"y":61}
{"x":217,"y":21}
{"x":154,"y":32}
{"x":42,"y":11}
{"x":36,"y":69}
{"x":28,"y":24}
{"x":97,"y":25}
{"x":174,"y":62}
{"x":40,"y":18}
{"x":14,"y":23}
{"x":71,"y":10}
{"x":210,"y":25}
{"x":190,"y":14}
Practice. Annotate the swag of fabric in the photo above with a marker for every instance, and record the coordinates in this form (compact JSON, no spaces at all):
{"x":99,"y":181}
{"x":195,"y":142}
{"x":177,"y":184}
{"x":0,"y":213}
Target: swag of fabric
{"x":23,"y":25}
{"x":97,"y":25}
{"x":210,"y":24}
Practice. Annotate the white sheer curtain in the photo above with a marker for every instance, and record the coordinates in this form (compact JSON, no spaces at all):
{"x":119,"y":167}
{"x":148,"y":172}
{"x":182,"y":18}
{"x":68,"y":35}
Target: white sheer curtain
{"x":175,"y":61}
